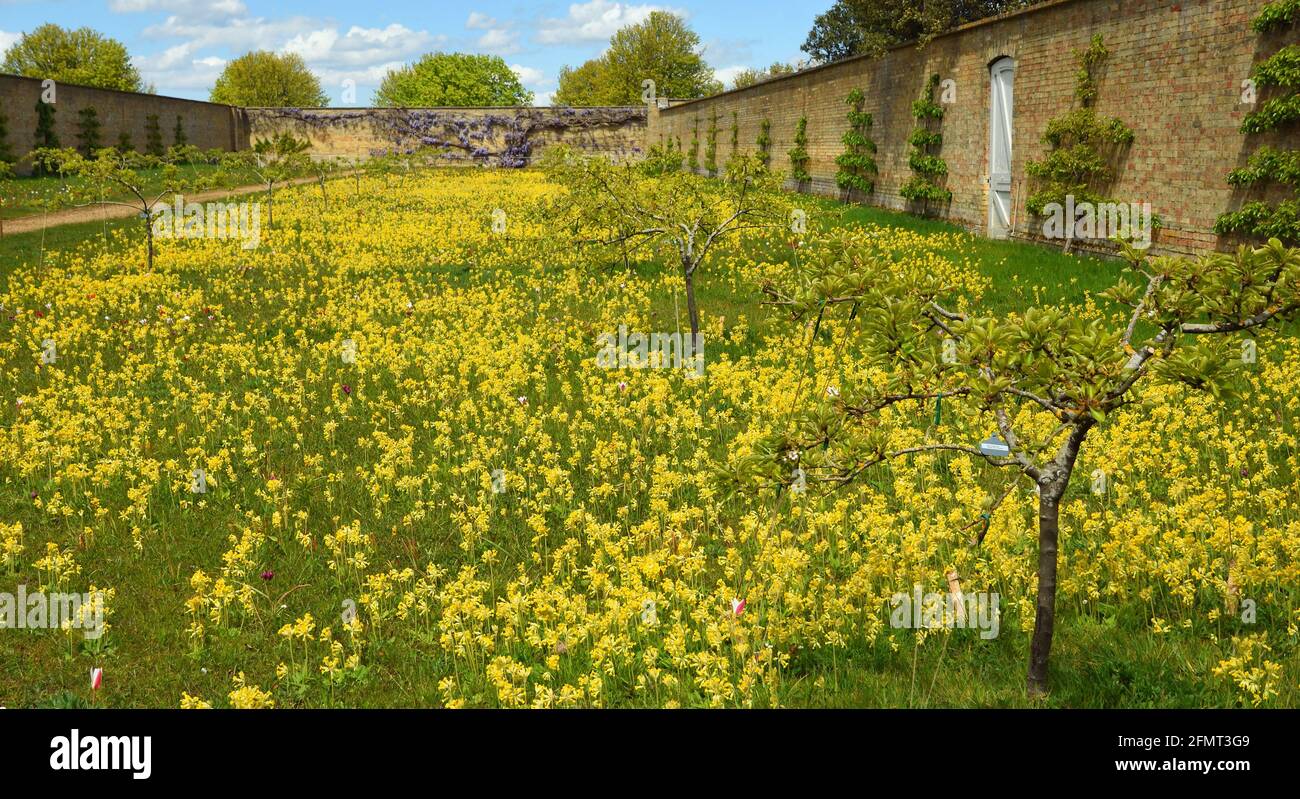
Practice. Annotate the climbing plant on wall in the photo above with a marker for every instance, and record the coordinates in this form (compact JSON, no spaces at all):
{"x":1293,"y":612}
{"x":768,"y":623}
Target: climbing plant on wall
{"x":124,"y":143}
{"x":1271,"y":167}
{"x":694,"y":159}
{"x":178,"y":133}
{"x":711,"y":146}
{"x":799,"y":157}
{"x":153,"y":143}
{"x":764,"y":143}
{"x":857,"y":164}
{"x":1083,"y":147}
{"x":928,"y":169}
{"x":45,"y":135}
{"x":735,"y":134}
{"x":6,"y":151}
{"x":88,"y":140}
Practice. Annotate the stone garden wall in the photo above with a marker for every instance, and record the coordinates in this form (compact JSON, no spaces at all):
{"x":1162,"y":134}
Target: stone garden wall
{"x":509,"y":137}
{"x":206,"y":125}
{"x":1174,"y":76}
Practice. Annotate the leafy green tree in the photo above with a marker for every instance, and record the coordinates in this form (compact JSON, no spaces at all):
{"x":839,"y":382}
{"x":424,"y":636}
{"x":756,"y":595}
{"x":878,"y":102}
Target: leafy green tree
{"x":1043,"y":379}
{"x":662,"y":48}
{"x":83,"y":57}
{"x":452,"y":79}
{"x":748,"y":77}
{"x":260,"y":79}
{"x":869,"y":27}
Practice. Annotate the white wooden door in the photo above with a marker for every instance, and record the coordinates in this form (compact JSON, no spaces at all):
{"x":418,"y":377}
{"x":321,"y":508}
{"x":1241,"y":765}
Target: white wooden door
{"x":1002,"y":75}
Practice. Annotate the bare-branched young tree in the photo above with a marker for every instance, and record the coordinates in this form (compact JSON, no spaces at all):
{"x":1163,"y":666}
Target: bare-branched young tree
{"x":1042,"y":379}
{"x":616,"y":205}
{"x":132,"y":180}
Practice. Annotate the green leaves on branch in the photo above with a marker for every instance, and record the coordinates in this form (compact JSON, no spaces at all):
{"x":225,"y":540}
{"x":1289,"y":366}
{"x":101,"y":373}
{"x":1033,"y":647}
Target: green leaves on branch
{"x":1183,"y":325}
{"x":1277,"y":15}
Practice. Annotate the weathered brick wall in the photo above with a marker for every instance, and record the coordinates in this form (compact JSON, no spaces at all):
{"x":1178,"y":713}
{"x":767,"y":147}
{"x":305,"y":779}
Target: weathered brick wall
{"x":493,"y":136}
{"x":207,"y":125}
{"x":1174,"y":76}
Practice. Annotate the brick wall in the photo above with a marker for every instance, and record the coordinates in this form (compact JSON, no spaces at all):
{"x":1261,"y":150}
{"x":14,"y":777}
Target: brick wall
{"x":1174,"y":76}
{"x":493,"y":136}
{"x":207,"y":125}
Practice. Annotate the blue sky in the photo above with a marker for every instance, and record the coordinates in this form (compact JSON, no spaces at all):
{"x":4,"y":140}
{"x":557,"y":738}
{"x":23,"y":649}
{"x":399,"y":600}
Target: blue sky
{"x":181,"y":45}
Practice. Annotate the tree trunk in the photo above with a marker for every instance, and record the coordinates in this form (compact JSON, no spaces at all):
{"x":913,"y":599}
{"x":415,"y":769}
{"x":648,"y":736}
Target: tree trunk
{"x":148,"y":237}
{"x":691,"y":310}
{"x":1049,"y":510}
{"x":1051,"y":486}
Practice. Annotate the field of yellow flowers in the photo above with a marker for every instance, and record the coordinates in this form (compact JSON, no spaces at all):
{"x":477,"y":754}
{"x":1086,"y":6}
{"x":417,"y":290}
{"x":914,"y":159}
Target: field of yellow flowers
{"x":419,"y":489}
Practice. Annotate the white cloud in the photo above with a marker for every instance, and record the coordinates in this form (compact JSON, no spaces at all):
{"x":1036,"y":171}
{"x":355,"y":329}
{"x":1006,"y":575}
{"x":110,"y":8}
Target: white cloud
{"x":527,"y":75}
{"x":499,"y":41}
{"x":728,"y":74}
{"x":596,"y":20}
{"x":542,"y":98}
{"x":8,"y":40}
{"x":206,"y":9}
{"x":360,"y":54}
{"x":480,"y":22}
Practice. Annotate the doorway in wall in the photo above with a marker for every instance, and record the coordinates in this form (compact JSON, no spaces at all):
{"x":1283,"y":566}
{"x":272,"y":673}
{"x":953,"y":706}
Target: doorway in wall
{"x":1002,"y":76}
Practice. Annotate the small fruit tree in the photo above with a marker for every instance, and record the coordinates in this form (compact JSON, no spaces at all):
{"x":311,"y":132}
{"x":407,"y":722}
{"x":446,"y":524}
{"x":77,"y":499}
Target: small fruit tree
{"x":613,"y":204}
{"x":1042,"y":379}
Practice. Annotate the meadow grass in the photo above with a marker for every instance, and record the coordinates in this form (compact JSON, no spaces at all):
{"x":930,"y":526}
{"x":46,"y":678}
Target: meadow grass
{"x":264,"y":368}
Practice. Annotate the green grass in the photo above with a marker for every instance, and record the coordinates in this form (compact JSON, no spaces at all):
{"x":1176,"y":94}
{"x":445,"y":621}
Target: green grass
{"x":1118,"y":663}
{"x":25,"y":196}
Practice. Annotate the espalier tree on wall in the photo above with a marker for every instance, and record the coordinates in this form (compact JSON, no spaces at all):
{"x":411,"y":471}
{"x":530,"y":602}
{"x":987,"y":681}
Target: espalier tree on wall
{"x":88,"y":139}
{"x":1083,"y":147}
{"x":928,"y":169}
{"x":735,"y":134}
{"x":6,"y":151}
{"x":799,"y":157}
{"x":693,"y":160}
{"x":45,"y":136}
{"x":857,"y":164}
{"x":1270,"y":167}
{"x":764,"y":143}
{"x":711,"y":146}
{"x":153,"y":142}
